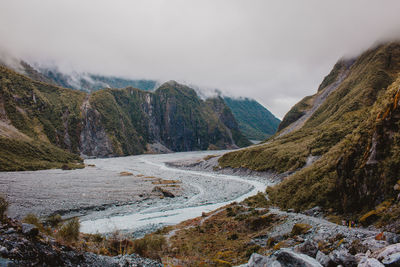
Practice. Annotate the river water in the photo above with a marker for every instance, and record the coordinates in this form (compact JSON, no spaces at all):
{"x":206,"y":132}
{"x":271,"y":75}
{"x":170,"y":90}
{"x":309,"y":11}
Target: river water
{"x":204,"y":192}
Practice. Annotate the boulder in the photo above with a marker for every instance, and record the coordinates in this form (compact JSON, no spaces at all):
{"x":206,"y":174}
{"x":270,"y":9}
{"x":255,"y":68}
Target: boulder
{"x":3,"y":251}
{"x":29,"y":230}
{"x":372,"y":244}
{"x":287,"y":257}
{"x":257,"y":260}
{"x":387,"y":251}
{"x":10,"y":231}
{"x":369,"y":262}
{"x":343,"y":257}
{"x":308,"y":247}
{"x":392,"y":260}
{"x":323,"y":259}
{"x":316,"y":211}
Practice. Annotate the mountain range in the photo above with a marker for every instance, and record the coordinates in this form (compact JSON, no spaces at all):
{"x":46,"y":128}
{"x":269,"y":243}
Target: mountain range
{"x":43,"y":125}
{"x":255,"y":121}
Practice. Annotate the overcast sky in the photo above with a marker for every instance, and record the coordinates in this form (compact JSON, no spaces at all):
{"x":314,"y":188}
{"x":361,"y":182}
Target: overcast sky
{"x":274,"y":51}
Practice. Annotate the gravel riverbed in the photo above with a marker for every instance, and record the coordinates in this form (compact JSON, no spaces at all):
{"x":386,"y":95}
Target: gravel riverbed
{"x":105,"y":201}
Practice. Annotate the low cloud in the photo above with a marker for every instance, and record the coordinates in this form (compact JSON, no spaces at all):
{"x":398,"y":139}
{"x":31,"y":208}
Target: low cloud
{"x":274,"y":51}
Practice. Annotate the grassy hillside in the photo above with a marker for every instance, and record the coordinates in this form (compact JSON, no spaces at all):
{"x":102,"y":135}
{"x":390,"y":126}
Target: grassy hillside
{"x":44,"y":121}
{"x":255,"y":121}
{"x":341,"y":132}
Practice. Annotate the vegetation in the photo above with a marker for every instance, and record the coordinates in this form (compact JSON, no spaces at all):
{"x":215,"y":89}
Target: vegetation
{"x":222,"y":239}
{"x":3,"y":208}
{"x":255,"y":121}
{"x":69,"y":231}
{"x":19,"y":155}
{"x":359,"y":117}
{"x":45,"y":118}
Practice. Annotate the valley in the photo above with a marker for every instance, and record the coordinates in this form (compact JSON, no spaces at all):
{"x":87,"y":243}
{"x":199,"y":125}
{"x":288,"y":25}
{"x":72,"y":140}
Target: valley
{"x":107,"y":201}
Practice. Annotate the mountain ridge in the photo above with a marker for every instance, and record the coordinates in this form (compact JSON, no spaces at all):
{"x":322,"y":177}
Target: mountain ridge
{"x":339,"y":134}
{"x":258,"y":124}
{"x":108,"y":122}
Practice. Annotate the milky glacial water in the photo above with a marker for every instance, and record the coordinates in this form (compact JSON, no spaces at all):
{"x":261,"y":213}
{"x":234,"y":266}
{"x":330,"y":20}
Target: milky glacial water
{"x":204,"y":192}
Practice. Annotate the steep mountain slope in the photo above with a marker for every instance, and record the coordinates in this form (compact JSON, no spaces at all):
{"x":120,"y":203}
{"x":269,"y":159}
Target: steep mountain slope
{"x":37,"y":122}
{"x":43,"y":125}
{"x":350,"y":127}
{"x":173,"y":116}
{"x":255,"y":121}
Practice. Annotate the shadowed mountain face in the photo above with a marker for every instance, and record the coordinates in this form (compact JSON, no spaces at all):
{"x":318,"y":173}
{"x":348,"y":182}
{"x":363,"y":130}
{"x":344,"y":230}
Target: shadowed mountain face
{"x":255,"y":121}
{"x":45,"y":125}
{"x":351,"y":126}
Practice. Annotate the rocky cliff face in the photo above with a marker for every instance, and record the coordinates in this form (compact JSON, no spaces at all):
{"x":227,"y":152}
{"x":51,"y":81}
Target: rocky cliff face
{"x":173,"y":116}
{"x":109,"y":122}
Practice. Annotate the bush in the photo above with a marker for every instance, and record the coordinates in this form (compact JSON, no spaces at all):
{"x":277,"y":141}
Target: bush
{"x":251,"y":250}
{"x":54,"y":220}
{"x":70,"y":230}
{"x":3,"y":208}
{"x":32,"y":219}
{"x":150,"y":246}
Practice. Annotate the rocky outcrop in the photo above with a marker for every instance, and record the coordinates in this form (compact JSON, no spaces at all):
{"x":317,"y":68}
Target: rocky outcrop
{"x":93,"y":138}
{"x":388,"y":256}
{"x":283,"y":257}
{"x":23,"y":245}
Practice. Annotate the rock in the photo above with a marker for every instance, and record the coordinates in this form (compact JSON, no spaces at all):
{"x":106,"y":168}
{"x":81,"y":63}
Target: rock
{"x":29,"y":230}
{"x":343,"y":257}
{"x":3,"y":251}
{"x":10,"y":231}
{"x":287,"y":257}
{"x":392,"y":260}
{"x":392,"y":238}
{"x":323,"y":259}
{"x":257,"y":260}
{"x":369,"y":262}
{"x":372,"y":244}
{"x":300,"y":228}
{"x":308,"y":247}
{"x":387,"y":251}
{"x":163,"y":191}
{"x":313,"y":211}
